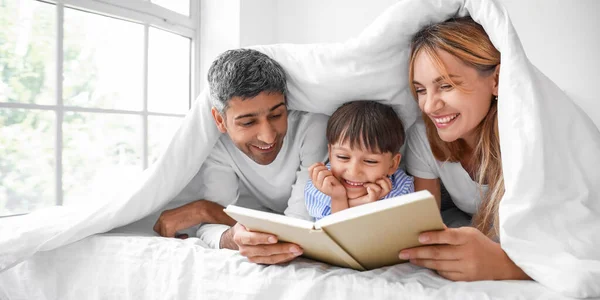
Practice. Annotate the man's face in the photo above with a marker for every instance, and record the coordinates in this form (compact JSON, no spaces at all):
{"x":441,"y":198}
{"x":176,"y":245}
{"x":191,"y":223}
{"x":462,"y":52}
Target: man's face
{"x":256,"y":125}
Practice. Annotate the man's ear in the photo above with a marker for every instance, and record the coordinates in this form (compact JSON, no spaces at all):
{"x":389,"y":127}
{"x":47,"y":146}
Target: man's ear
{"x":395,"y":164}
{"x":496,"y":80}
{"x":219,"y":120}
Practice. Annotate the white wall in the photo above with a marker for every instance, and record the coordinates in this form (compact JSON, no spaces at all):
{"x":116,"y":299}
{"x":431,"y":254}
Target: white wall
{"x":561,"y":37}
{"x":229,"y":24}
{"x":219,"y":31}
{"x":314,"y":21}
{"x":258,"y":24}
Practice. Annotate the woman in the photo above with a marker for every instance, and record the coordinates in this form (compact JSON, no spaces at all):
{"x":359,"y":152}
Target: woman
{"x":454,"y":71}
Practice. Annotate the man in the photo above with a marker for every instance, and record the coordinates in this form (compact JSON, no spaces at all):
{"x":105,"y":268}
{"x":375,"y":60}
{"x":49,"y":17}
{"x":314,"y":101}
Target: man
{"x":261,"y":162}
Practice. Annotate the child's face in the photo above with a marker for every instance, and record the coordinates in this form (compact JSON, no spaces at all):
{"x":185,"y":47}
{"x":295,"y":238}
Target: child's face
{"x":355,"y":167}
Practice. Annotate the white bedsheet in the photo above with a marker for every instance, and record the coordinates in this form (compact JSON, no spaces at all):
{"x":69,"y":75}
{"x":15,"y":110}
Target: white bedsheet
{"x":132,"y":263}
{"x":549,"y":215}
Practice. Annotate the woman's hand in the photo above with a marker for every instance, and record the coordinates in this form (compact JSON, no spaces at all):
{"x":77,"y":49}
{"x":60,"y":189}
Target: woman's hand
{"x":463,"y":254}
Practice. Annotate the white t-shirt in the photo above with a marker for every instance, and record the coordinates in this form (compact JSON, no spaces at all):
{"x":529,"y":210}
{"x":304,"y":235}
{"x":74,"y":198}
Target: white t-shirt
{"x":420,"y":162}
{"x":229,"y":176}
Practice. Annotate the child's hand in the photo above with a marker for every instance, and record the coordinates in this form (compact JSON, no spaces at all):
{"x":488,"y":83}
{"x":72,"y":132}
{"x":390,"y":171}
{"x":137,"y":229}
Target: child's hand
{"x":325,"y":182}
{"x":375,"y":191}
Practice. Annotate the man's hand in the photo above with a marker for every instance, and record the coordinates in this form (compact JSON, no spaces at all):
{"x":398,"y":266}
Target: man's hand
{"x":173,"y":220}
{"x":258,"y":247}
{"x":463,"y":254}
{"x":191,"y":214}
{"x":325,"y":182}
{"x":375,"y":191}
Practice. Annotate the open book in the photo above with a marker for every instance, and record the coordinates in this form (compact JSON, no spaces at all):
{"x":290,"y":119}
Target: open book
{"x":363,"y":237}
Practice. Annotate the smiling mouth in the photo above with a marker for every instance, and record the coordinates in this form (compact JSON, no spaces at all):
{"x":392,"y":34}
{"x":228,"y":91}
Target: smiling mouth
{"x":265,"y":148}
{"x":353,"y":184}
{"x":444,"y":121}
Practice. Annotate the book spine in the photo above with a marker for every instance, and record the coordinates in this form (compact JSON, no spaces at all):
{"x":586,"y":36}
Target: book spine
{"x":341,"y":253}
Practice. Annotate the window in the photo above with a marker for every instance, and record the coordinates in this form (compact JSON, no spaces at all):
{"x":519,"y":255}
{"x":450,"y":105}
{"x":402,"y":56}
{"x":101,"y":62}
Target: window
{"x":90,"y":93}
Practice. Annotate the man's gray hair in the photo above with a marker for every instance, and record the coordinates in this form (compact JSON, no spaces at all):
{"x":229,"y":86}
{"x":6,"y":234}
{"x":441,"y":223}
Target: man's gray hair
{"x":243,"y":73}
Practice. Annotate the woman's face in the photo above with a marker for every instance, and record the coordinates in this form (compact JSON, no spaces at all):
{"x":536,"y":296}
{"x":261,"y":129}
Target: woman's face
{"x":456,"y":112}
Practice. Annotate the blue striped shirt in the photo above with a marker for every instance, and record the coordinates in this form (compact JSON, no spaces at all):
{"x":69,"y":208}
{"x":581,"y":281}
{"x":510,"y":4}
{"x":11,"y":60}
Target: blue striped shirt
{"x":319,"y":204}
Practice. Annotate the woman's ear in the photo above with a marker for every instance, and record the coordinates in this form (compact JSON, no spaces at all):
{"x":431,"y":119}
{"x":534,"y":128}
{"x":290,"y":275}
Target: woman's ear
{"x":219,"y":120}
{"x":395,"y":164}
{"x":496,"y":80}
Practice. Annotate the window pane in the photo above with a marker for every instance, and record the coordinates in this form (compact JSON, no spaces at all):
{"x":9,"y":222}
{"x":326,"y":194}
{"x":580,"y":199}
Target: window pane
{"x":160,"y":132}
{"x":99,"y":151}
{"x":103,"y":62}
{"x":27,"y":47}
{"x":178,"y":6}
{"x":27,"y":164}
{"x":168,"y":72}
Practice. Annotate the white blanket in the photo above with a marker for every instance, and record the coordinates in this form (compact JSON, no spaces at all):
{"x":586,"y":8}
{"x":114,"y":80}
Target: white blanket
{"x":132,"y":263}
{"x":549,"y":147}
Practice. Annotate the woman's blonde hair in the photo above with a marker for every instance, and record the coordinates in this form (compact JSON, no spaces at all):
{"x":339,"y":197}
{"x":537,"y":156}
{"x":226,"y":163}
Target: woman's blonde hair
{"x":467,"y":41}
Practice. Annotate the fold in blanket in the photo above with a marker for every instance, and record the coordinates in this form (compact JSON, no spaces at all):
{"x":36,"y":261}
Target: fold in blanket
{"x":549,"y":147}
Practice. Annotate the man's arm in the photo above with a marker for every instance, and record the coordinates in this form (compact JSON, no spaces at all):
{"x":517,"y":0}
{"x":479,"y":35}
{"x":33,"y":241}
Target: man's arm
{"x":216,"y":184}
{"x":191,"y":214}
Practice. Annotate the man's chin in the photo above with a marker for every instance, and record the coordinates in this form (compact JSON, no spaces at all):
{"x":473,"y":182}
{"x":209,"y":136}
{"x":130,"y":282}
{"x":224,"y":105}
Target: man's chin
{"x":263,"y":159}
{"x":264,"y":162}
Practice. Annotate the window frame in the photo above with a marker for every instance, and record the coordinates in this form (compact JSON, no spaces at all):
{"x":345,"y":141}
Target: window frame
{"x":138,"y":11}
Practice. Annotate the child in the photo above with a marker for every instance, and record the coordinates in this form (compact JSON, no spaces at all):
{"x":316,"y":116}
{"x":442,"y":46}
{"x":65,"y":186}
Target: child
{"x":364,"y":140}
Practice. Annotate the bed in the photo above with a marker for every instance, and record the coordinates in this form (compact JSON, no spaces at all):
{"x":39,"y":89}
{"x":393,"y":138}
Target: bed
{"x":133,"y":263}
{"x":106,"y":250}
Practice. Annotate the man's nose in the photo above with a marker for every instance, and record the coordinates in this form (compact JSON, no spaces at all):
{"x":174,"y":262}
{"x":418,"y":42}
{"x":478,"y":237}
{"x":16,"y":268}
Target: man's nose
{"x":267,"y":133}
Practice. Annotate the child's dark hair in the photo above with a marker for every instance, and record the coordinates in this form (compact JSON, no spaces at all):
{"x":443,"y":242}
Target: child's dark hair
{"x":366,"y":124}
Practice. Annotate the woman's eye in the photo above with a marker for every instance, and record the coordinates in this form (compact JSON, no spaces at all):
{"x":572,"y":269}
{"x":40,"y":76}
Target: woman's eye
{"x":420,"y":91}
{"x":446,"y":87}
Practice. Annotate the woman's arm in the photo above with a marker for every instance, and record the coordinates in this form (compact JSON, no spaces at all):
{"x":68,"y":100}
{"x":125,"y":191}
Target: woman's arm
{"x":432,"y":185}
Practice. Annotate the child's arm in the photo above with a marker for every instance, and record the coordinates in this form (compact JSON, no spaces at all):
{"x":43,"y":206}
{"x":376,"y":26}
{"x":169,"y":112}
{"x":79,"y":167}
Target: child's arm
{"x":339,"y":204}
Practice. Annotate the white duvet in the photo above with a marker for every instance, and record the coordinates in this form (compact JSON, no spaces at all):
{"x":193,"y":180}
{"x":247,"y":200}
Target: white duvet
{"x":550,"y":151}
{"x":130,"y":263}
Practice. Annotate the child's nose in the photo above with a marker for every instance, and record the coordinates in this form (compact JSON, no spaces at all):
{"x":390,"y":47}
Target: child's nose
{"x":353,"y":169}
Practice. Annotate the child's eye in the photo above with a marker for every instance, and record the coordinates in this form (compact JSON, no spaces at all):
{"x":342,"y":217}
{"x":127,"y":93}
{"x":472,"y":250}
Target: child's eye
{"x":342,"y":157}
{"x":372,"y":162}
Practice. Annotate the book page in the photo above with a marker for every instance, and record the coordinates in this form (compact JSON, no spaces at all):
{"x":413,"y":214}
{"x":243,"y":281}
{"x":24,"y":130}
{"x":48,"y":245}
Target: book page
{"x":267,"y":216}
{"x":375,"y":239}
{"x":315,"y":243}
